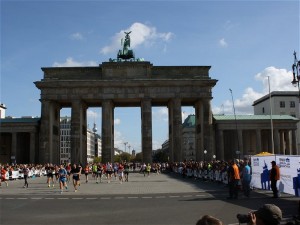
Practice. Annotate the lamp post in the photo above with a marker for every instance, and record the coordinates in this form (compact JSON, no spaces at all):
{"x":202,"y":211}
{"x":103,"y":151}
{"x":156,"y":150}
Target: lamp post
{"x":237,"y":135}
{"x":214,"y":157}
{"x":296,"y":73}
{"x":125,"y":143}
{"x":205,"y":152}
{"x":129,"y":146}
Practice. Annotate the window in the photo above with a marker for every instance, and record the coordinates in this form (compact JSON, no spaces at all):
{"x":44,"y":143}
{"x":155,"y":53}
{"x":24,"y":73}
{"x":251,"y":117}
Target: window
{"x":263,"y":110}
{"x":294,"y":115}
{"x":282,"y":104}
{"x":292,"y":104}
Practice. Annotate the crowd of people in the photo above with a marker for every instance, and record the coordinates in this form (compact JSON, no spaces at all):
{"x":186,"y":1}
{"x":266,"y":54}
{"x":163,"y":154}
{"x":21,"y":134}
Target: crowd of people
{"x":64,"y":173}
{"x":234,"y":173}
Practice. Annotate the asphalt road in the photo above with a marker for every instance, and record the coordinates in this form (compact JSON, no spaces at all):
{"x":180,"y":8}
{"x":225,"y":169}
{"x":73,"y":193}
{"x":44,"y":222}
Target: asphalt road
{"x":165,"y":199}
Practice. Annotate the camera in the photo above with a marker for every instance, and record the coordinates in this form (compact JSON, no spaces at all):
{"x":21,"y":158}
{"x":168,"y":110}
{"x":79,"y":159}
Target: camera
{"x":243,"y":218}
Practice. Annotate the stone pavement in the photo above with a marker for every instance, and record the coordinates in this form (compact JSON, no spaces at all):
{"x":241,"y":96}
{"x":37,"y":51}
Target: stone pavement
{"x":138,"y":184}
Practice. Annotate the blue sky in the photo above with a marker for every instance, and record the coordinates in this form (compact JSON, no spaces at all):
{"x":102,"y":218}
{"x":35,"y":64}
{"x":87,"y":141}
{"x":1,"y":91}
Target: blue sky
{"x":243,"y":41}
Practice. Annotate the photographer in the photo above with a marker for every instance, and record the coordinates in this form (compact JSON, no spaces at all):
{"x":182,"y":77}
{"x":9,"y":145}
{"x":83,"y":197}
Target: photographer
{"x":268,"y":214}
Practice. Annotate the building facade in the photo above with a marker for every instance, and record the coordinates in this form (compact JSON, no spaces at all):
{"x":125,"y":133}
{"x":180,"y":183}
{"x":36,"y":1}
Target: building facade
{"x":280,"y":103}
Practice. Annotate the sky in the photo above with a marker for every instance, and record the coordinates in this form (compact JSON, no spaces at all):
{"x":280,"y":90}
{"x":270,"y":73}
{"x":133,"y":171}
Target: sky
{"x":245,"y":43}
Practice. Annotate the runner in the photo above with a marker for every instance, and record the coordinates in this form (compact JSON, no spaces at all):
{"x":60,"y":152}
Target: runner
{"x":126,"y":171}
{"x":148,"y":169}
{"x":109,"y":171}
{"x":94,"y":170}
{"x":116,"y":169}
{"x":50,"y":170}
{"x":99,"y":172}
{"x":68,"y":168}
{"x":3,"y":178}
{"x":86,"y":173}
{"x":76,"y":173}
{"x":120,"y":173}
{"x":62,"y":174}
{"x":25,"y":172}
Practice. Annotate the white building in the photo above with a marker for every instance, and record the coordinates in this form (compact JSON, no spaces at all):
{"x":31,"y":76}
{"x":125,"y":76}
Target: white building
{"x":188,"y":137}
{"x":2,"y":111}
{"x":93,"y":141}
{"x":282,"y":103}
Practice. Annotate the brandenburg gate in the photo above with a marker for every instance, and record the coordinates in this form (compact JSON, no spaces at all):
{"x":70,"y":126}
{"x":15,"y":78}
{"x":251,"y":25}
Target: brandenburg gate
{"x":123,"y":83}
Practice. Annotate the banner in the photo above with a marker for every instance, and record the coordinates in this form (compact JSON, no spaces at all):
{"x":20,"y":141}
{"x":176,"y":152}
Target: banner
{"x":289,"y":173}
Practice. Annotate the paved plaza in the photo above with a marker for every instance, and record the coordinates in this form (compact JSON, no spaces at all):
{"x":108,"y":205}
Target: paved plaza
{"x":163,"y":199}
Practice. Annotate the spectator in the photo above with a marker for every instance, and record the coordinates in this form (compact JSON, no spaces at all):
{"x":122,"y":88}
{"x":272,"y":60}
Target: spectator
{"x":274,"y":177}
{"x":233,"y":180}
{"x":246,"y":178}
{"x":268,"y":214}
{"x":209,"y":220}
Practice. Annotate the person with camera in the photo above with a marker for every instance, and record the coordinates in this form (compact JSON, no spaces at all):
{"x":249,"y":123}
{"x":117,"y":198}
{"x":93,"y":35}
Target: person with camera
{"x":267,"y":214}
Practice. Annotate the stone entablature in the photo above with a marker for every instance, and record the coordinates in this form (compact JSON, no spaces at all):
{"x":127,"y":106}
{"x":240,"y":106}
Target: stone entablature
{"x":127,"y":70}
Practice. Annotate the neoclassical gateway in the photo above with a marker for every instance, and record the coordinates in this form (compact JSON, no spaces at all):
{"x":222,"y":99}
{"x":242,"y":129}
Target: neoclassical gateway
{"x":124,"y":84}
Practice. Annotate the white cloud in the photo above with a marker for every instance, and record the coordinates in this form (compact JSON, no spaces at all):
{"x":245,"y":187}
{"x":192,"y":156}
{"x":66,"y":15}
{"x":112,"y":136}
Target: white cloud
{"x":161,"y":114}
{"x":223,"y":43}
{"x":76,"y":36}
{"x":141,"y":35}
{"x":117,"y":121}
{"x":71,"y":63}
{"x":280,"y":80}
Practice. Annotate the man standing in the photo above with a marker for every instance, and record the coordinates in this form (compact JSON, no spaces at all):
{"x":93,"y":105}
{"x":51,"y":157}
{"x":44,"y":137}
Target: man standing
{"x":233,"y":180}
{"x":274,"y":177}
{"x":246,"y":178}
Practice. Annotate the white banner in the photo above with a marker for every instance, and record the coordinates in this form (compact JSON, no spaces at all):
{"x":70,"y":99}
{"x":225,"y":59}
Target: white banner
{"x":289,"y":173}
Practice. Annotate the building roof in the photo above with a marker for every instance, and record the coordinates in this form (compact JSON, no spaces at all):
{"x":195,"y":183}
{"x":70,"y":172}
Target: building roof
{"x":254,"y":117}
{"x":277,"y":94}
{"x":189,"y":121}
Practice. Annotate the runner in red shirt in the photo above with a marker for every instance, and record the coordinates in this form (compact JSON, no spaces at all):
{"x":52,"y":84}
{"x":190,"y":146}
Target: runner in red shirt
{"x":3,"y":172}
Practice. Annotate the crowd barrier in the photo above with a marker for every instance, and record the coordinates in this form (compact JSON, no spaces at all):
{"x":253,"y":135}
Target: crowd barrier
{"x":289,"y":173}
{"x":14,"y":175}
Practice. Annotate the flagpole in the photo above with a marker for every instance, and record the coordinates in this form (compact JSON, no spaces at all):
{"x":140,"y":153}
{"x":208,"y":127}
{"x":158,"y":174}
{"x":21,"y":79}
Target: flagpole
{"x":272,"y":133}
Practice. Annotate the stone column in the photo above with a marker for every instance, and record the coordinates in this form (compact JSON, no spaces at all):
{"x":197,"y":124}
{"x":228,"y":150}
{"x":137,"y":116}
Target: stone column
{"x":107,"y":131}
{"x":258,"y":141}
{"x":146,"y":115}
{"x":282,"y":142}
{"x":208,"y":137}
{"x":175,"y":130}
{"x":287,"y":137}
{"x":14,"y":148}
{"x":276,"y":142}
{"x":241,"y":144}
{"x":32,"y":148}
{"x":294,"y":142}
{"x":49,"y":133}
{"x":78,"y":133}
{"x":199,"y":148}
{"x":220,"y":141}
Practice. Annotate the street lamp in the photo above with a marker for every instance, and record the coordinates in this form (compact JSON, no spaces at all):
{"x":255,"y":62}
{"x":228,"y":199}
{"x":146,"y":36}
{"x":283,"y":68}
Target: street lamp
{"x":236,"y":128}
{"x":205,"y":152}
{"x":296,"y":73}
{"x":129,"y":146}
{"x":214,"y":157}
{"x":125,"y":143}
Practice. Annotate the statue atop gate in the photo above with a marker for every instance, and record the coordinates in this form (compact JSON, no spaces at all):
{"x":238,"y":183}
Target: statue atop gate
{"x":126,"y":53}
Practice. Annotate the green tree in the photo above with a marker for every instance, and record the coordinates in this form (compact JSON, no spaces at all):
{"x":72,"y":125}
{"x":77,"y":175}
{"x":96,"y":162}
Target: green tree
{"x":97,"y":159}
